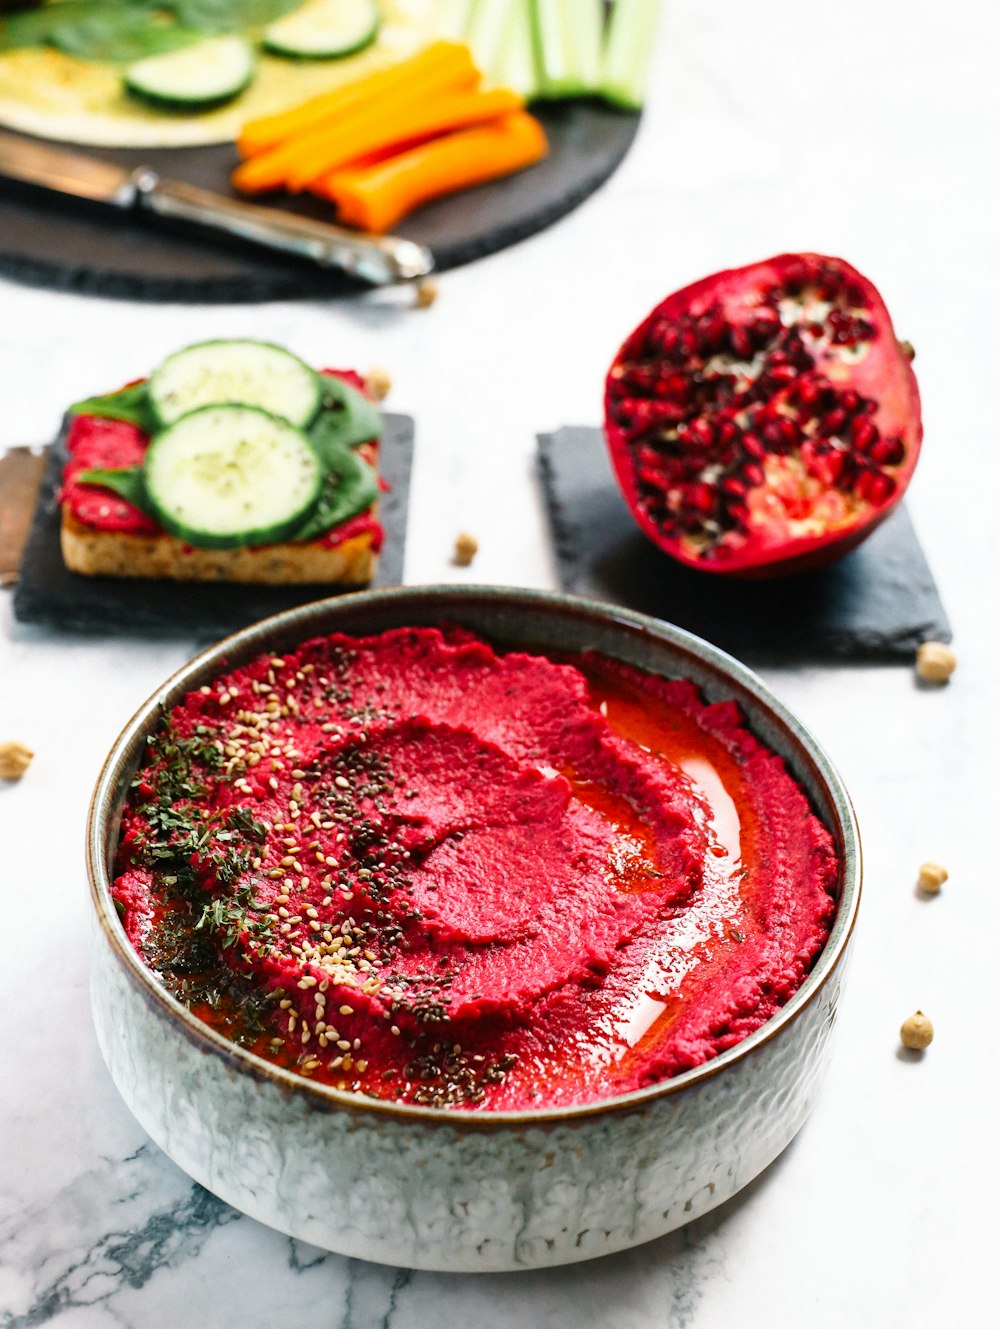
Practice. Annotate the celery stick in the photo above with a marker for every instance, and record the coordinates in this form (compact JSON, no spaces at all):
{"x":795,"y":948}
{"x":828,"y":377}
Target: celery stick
{"x":486,"y":31}
{"x":454,"y":19}
{"x":515,"y":66}
{"x":628,"y":51}
{"x":568,"y":46}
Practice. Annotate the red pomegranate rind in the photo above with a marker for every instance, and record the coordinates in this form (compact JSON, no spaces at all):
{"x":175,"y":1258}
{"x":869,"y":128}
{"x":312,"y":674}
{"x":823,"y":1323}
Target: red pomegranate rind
{"x":764,"y":420}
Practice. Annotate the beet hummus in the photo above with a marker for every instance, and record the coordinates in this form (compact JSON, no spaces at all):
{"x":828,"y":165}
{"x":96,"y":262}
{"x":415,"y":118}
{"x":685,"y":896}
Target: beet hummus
{"x":417,"y":869}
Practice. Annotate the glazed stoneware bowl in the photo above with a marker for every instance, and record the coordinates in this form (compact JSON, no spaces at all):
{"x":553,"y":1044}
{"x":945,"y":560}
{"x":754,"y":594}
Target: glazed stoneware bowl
{"x":434,"y":1188}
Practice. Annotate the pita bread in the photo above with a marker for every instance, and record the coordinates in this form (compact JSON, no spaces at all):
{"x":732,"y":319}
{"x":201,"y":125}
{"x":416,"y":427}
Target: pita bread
{"x":52,"y":95}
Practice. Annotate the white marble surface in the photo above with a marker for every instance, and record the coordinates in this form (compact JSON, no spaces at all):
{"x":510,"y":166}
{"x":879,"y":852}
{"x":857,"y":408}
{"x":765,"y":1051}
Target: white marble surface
{"x":862,"y":129}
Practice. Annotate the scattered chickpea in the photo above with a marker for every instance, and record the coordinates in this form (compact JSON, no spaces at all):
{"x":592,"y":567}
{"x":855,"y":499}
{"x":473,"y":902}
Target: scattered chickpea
{"x":426,"y":292}
{"x":15,"y":759}
{"x":466,"y":549}
{"x":378,"y":383}
{"x":935,"y":661}
{"x":932,"y":877}
{"x":916,"y":1032}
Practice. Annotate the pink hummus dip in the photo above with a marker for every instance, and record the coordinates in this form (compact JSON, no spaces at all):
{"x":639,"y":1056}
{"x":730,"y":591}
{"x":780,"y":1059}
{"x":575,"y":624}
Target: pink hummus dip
{"x":418,"y":870}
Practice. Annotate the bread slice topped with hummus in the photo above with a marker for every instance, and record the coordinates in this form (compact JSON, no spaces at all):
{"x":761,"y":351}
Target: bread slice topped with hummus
{"x":234,"y":461}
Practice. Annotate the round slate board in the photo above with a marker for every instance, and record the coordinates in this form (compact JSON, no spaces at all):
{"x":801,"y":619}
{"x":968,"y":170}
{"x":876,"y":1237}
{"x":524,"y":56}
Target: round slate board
{"x":74,"y":247}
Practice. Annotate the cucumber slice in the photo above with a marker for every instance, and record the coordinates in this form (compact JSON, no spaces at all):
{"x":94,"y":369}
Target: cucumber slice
{"x":247,"y":373}
{"x":226,"y":476}
{"x":324,"y":29}
{"x":628,"y":51}
{"x":568,"y":43}
{"x":195,"y":78}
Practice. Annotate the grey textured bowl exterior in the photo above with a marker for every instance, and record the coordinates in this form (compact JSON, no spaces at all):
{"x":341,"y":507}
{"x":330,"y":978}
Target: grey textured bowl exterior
{"x":461,"y":1190}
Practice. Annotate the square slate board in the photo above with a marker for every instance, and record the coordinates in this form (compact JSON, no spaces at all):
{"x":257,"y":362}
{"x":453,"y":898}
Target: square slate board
{"x":47,"y":592}
{"x":877,"y":603}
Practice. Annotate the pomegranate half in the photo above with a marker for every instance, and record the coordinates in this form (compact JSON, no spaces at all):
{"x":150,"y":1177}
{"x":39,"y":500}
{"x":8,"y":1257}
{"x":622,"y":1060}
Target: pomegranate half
{"x":764,"y":420}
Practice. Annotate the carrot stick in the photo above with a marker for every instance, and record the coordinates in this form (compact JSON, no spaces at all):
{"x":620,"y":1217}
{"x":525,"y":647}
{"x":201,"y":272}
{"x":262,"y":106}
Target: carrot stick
{"x":375,"y":198}
{"x":436,"y":65}
{"x":299,"y":163}
{"x":369,"y":128}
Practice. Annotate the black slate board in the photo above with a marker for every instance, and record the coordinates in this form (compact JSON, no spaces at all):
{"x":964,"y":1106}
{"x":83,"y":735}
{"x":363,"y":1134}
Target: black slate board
{"x":48,"y":593}
{"x":877,"y":603}
{"x":47,"y":240}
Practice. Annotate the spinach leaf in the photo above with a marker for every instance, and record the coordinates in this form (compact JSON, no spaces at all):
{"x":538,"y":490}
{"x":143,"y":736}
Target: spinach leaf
{"x":346,"y":418}
{"x":119,"y":32}
{"x":131,"y":404}
{"x":129,"y":30}
{"x":230,"y":15}
{"x":33,"y":27}
{"x":349,"y":488}
{"x":126,"y":481}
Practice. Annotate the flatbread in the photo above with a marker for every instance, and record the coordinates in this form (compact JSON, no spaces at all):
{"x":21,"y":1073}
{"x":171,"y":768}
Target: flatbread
{"x":52,"y":95}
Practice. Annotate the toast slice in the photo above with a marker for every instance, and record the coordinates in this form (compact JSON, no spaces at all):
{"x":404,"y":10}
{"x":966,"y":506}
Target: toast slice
{"x":96,"y":553}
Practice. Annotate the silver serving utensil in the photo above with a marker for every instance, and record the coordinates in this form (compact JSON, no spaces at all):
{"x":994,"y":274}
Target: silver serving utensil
{"x":380,"y":260}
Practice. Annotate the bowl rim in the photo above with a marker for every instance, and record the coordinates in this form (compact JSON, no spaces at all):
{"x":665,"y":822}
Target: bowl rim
{"x":311,"y":616}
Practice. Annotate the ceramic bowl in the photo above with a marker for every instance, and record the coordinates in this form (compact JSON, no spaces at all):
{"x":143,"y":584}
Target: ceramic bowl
{"x":433,"y":1188}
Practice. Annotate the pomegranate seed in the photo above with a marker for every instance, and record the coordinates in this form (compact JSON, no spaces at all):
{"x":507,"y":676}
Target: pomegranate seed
{"x":753,"y":447}
{"x":849,"y":330}
{"x":888,"y":452}
{"x":807,"y":394}
{"x":713,"y":332}
{"x":675,"y":387}
{"x":728,"y":433}
{"x":699,"y":432}
{"x":650,"y":475}
{"x":833,"y":422}
{"x":641,"y":378}
{"x":644,"y":413}
{"x":874,"y":486}
{"x":782,"y":434}
{"x":779,"y":374}
{"x":701,"y":498}
{"x":848,"y":469}
{"x":669,"y":340}
{"x":732,"y":484}
{"x":753,"y":474}
{"x":741,"y":342}
{"x":830,"y":283}
{"x":863,"y":432}
{"x":850,"y":401}
{"x":765,"y":323}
